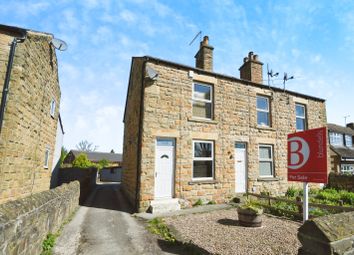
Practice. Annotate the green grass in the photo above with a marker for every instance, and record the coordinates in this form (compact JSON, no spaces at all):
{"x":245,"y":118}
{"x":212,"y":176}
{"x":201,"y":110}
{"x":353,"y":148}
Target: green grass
{"x":49,"y":242}
{"x":198,"y":202}
{"x":158,"y":226}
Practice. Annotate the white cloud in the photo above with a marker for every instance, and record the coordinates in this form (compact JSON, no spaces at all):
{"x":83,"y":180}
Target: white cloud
{"x":127,"y":16}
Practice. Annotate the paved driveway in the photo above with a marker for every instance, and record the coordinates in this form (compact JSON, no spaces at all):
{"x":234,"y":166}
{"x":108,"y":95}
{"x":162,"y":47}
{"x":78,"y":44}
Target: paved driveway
{"x":104,"y":225}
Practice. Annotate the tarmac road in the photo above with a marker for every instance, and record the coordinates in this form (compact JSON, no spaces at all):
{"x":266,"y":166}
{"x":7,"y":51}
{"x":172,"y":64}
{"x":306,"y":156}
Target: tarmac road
{"x":104,"y":225}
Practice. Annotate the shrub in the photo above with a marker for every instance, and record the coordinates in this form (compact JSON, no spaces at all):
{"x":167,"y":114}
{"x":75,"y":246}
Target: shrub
{"x":291,"y":192}
{"x":81,"y":161}
{"x":347,"y":197}
{"x":198,"y":202}
{"x":317,"y":212}
{"x":328,"y":194}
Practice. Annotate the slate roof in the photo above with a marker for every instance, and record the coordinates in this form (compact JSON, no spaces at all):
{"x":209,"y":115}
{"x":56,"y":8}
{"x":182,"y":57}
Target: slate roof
{"x":340,"y":129}
{"x":96,"y":156}
{"x":344,"y":152}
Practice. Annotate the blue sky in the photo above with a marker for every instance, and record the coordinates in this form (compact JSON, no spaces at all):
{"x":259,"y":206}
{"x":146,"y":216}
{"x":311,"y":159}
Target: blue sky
{"x":312,"y":40}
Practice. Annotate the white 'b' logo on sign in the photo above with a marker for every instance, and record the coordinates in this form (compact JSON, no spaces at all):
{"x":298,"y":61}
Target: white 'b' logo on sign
{"x":299,"y":152}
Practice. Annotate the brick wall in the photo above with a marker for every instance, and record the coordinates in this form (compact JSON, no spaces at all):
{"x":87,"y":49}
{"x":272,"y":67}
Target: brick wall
{"x":28,"y":128}
{"x":24,"y":223}
{"x":168,"y":113}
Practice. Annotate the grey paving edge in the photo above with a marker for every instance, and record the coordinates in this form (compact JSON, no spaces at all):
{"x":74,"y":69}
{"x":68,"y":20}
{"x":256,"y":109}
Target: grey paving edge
{"x":197,"y":209}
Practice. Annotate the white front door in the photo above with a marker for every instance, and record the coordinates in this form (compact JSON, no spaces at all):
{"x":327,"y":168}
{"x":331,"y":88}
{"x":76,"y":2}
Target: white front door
{"x":164,"y":168}
{"x":240,"y":167}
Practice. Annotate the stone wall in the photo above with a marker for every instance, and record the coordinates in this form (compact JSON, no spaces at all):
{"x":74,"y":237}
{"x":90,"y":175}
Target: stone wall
{"x":24,"y":223}
{"x":131,"y":132}
{"x":86,"y":177}
{"x":28,"y":128}
{"x":345,"y":182}
{"x":328,"y":235}
{"x":168,"y":113}
{"x":335,"y":161}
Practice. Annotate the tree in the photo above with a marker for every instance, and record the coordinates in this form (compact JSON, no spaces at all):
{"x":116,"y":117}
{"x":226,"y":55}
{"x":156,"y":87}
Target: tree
{"x":102,"y":163}
{"x":63,"y":154}
{"x":81,"y":161}
{"x":86,"y":146}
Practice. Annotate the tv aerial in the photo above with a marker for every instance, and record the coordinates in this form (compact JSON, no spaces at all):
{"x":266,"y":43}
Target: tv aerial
{"x":59,"y":44}
{"x":195,"y":37}
{"x":271,"y":74}
{"x":285,"y":79}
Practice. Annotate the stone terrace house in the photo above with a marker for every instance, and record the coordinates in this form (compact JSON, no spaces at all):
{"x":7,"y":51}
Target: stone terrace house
{"x":341,"y":148}
{"x":191,"y":133}
{"x":29,"y":111}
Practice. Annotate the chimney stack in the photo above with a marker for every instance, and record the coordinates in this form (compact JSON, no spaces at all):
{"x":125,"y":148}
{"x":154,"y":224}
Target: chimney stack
{"x":351,"y":125}
{"x":204,"y":57}
{"x":252,"y":68}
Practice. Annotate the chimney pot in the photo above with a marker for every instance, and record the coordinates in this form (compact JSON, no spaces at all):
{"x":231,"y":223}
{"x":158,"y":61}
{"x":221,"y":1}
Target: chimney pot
{"x":351,"y":125}
{"x":206,"y":40}
{"x":204,"y":57}
{"x":252,"y":68}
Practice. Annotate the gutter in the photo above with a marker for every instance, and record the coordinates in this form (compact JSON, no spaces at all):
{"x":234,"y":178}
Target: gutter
{"x":8,"y":75}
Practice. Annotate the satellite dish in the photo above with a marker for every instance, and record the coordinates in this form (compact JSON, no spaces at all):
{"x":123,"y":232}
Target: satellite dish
{"x":59,"y":44}
{"x":152,"y":74}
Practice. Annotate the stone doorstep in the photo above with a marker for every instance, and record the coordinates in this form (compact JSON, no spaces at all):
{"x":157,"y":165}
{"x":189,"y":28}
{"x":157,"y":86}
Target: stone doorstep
{"x":164,"y":205}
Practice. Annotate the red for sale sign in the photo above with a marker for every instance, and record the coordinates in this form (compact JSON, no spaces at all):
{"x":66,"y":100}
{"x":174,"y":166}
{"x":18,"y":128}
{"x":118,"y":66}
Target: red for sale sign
{"x":307,"y":156}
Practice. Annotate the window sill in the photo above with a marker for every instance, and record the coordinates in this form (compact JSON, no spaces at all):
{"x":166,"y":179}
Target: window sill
{"x":268,"y":179}
{"x":265,"y":128}
{"x":202,"y":120}
{"x":202,"y":182}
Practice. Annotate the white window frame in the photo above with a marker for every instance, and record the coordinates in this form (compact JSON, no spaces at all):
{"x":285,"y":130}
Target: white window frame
{"x":266,"y":159}
{"x":334,"y":138}
{"x":347,"y":168}
{"x":351,"y":139}
{"x":46,"y":157}
{"x":301,"y":117}
{"x":52,"y":107}
{"x":203,"y":159}
{"x":262,"y":110}
{"x":204,"y":100}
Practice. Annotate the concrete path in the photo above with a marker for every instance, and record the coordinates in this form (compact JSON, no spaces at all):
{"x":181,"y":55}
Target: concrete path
{"x":104,"y":225}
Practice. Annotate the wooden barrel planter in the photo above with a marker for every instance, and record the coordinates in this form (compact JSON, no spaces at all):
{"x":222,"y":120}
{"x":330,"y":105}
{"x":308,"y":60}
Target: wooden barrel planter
{"x":248,"y":217}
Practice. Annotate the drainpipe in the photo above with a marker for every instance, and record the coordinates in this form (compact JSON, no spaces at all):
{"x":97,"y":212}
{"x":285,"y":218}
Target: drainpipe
{"x":8,"y":77}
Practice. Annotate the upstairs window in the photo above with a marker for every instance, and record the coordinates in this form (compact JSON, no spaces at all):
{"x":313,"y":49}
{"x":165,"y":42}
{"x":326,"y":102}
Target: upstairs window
{"x":300,"y":117}
{"x":266,"y":164}
{"x":203,"y":159}
{"x":263,"y":116}
{"x":202,"y":101}
{"x":336,"y":139}
{"x":52,"y":108}
{"x":348,"y":141}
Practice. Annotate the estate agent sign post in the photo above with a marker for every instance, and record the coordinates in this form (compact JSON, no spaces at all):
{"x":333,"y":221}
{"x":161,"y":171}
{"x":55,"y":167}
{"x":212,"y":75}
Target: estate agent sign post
{"x":307,"y":160}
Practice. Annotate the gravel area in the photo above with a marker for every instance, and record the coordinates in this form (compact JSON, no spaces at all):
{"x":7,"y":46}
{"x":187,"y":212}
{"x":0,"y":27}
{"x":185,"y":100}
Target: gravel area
{"x":218,"y":232}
